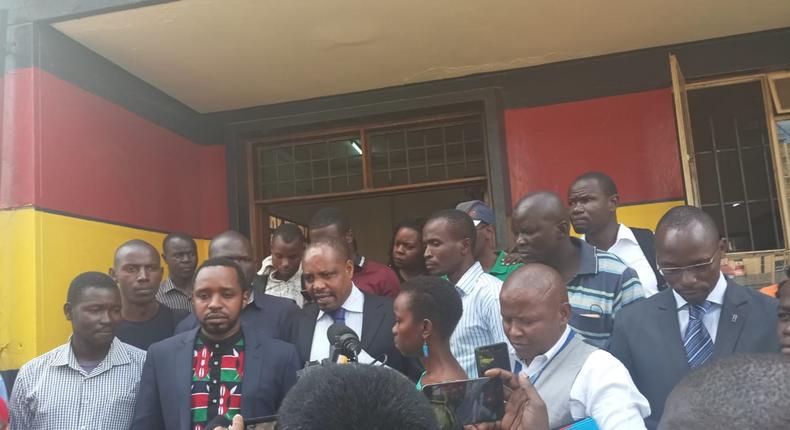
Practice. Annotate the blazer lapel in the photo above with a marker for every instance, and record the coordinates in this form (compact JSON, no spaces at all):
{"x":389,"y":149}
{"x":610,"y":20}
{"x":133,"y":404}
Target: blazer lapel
{"x":253,"y":358}
{"x":372,"y":318}
{"x":734,"y":314}
{"x":304,"y":339}
{"x":182,"y":368}
{"x":667,"y":323}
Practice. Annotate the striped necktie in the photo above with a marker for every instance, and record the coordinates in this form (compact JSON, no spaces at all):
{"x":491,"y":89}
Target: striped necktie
{"x":698,"y":344}
{"x":338,"y":316}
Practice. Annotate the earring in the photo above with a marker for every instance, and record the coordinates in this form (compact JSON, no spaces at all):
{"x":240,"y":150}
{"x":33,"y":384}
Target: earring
{"x":425,"y":349}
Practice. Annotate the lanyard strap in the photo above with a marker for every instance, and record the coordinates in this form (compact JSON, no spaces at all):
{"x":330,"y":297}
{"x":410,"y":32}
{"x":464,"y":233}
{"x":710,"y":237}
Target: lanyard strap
{"x":534,"y":378}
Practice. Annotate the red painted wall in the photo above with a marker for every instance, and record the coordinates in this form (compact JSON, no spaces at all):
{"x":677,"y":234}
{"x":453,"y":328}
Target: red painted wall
{"x":99,"y":160}
{"x":17,"y":142}
{"x":631,"y":137}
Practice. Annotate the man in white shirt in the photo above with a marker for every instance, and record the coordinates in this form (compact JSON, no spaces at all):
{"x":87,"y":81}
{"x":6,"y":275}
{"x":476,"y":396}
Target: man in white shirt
{"x":574,"y":379}
{"x":281,"y":272}
{"x":593,"y":202}
{"x":449,"y":238}
{"x":328,"y":271}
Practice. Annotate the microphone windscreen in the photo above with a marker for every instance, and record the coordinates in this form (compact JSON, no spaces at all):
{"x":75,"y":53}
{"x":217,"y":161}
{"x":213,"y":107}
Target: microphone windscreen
{"x":336,"y":330}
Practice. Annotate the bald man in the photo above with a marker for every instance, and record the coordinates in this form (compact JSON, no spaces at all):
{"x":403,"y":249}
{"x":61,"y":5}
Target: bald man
{"x":599,"y":283}
{"x":744,"y":392}
{"x":701,"y":318}
{"x":265,"y":312}
{"x":137,"y":270}
{"x":575,"y":380}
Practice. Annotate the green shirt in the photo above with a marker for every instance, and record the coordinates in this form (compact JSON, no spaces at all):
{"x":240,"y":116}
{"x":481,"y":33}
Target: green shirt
{"x":500,"y":269}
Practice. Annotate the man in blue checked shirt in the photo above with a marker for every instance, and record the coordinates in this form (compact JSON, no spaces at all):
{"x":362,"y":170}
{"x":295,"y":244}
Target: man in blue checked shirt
{"x":92,"y":380}
{"x":449,"y":239}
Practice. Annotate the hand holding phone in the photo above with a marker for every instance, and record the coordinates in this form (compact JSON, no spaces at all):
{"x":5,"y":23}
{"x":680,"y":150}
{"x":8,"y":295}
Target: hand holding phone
{"x":468,"y":401}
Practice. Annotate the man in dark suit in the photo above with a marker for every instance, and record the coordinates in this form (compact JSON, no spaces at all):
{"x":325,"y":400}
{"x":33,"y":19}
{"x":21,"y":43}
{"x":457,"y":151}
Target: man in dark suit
{"x":265,"y":312}
{"x":593,"y":200}
{"x":328,"y":272}
{"x":223,"y":368}
{"x":702,"y":317}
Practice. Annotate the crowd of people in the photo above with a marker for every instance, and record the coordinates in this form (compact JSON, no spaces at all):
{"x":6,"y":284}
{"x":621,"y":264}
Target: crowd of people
{"x":619,"y":326}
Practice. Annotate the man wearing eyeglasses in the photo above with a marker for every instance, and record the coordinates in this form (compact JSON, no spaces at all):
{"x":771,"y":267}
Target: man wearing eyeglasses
{"x":702,"y":317}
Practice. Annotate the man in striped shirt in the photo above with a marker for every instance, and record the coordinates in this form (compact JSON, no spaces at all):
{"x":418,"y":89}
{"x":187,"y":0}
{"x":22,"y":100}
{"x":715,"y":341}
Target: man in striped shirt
{"x":599,"y":283}
{"x":449,"y":238}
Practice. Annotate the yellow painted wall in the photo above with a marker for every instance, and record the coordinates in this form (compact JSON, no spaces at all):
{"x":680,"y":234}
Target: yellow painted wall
{"x":645,"y":215}
{"x":18,"y":292}
{"x":46,"y":252}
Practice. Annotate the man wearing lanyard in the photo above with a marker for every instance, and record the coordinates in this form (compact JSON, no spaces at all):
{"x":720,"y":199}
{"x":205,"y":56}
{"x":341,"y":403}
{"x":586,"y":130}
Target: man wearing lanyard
{"x":574,"y":379}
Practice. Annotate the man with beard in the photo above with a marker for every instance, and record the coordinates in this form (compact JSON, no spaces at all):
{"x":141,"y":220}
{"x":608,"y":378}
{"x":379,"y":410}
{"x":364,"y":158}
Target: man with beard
{"x":234,"y":368}
{"x":138,"y":271}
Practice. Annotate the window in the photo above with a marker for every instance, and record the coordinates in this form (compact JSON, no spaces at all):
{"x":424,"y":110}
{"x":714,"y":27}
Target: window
{"x":439,"y":150}
{"x":734,"y":165}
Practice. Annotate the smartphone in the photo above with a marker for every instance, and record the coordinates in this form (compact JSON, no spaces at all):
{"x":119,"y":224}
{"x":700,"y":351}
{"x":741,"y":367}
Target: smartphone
{"x":494,"y":356}
{"x":261,"y":423}
{"x":467,"y":402}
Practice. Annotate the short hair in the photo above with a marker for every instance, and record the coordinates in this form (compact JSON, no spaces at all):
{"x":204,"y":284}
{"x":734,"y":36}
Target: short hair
{"x":605,"y":181}
{"x":338,"y":245}
{"x":244,"y":283}
{"x":434,"y":299}
{"x":742,"y":391}
{"x":288,"y":233}
{"x":86,"y":280}
{"x":683,"y":216}
{"x":355,"y":396}
{"x":173,"y":236}
{"x":781,"y":285}
{"x":461,"y":224}
{"x":330,"y":216}
{"x":134,"y":243}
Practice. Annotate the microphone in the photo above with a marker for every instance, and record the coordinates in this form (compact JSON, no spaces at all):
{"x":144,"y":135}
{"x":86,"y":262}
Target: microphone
{"x":344,"y":340}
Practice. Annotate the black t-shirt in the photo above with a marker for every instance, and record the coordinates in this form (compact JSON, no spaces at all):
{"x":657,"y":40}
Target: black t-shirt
{"x":143,"y":333}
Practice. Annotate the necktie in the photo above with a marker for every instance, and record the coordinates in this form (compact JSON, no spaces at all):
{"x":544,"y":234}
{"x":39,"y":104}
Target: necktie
{"x":338,"y":316}
{"x":698,"y":344}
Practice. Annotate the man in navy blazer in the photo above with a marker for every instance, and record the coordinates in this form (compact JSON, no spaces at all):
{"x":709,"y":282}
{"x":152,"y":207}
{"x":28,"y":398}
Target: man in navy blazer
{"x":701,"y":318}
{"x":224,"y":367}
{"x":328,"y":272}
{"x":265,"y":312}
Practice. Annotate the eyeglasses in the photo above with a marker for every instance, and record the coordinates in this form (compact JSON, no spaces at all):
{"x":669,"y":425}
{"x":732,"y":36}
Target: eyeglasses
{"x":675,"y":272}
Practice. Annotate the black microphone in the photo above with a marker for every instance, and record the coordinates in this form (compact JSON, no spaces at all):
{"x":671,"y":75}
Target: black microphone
{"x":344,"y":340}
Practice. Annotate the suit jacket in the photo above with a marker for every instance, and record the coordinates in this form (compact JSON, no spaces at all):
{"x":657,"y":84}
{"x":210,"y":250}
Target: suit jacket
{"x":647,"y":243}
{"x":646,"y":338}
{"x":266,"y":313}
{"x":376,"y":337}
{"x":163,"y":402}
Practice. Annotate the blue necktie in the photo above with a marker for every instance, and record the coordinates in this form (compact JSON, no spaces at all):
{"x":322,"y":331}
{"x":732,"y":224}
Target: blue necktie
{"x":338,"y":316}
{"x":698,"y":344}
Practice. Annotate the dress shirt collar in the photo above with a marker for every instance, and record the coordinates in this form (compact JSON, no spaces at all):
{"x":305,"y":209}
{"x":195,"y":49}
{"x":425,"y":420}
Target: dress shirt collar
{"x":539,"y":361}
{"x":168,"y":285}
{"x":716,"y":296}
{"x":116,"y":356}
{"x":468,"y":281}
{"x":588,"y":264}
{"x":625,"y":233}
{"x":354,"y":303}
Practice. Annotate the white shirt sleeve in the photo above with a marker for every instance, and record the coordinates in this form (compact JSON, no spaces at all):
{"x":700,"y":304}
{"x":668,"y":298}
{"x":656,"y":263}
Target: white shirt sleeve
{"x":604,"y":391}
